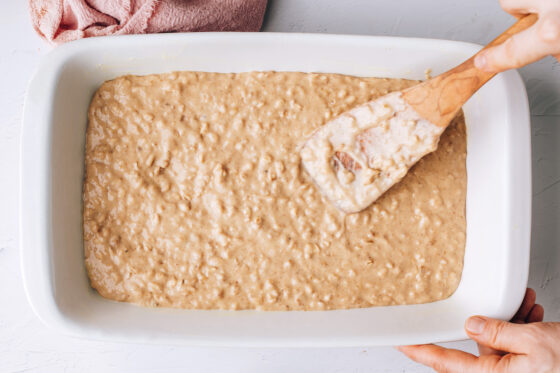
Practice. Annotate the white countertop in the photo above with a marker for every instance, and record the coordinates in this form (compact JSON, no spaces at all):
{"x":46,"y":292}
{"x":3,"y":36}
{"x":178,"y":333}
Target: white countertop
{"x":27,"y":345}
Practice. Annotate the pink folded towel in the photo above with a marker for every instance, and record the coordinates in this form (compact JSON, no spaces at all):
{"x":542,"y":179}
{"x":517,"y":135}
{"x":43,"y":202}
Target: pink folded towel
{"x":59,"y":21}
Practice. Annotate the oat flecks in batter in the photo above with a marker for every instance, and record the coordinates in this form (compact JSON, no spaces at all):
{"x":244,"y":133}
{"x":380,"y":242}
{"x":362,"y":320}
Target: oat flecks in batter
{"x":194,"y":197}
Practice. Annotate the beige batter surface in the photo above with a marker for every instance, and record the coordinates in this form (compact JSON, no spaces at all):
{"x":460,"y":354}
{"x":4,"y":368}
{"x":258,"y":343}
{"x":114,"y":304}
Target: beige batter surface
{"x":195,"y":197}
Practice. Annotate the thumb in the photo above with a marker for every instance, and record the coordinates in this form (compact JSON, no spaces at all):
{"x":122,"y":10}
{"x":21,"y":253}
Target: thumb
{"x":521,"y":49}
{"x":498,"y":334}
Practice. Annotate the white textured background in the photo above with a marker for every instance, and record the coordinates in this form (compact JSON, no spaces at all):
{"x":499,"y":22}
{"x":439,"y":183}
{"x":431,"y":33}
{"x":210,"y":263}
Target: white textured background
{"x":27,"y":346}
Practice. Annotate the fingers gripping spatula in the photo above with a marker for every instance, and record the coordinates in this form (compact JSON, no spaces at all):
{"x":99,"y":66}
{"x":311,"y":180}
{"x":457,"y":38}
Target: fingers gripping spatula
{"x":359,"y":155}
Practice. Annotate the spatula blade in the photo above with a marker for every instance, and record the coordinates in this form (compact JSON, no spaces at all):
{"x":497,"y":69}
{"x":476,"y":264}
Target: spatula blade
{"x":359,"y":155}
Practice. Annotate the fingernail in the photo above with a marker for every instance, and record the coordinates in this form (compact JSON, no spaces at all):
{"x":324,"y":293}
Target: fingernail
{"x":475,"y":325}
{"x":480,"y":62}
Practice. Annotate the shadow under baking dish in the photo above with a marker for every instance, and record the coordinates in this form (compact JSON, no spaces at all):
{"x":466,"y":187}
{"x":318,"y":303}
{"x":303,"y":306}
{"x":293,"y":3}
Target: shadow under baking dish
{"x":52,"y":149}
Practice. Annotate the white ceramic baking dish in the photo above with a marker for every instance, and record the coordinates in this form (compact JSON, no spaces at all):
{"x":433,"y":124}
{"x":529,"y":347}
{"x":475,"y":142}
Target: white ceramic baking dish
{"x":52,"y":154}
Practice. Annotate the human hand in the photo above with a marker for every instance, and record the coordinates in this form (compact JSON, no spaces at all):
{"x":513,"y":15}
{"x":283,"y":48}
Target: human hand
{"x":538,"y":41}
{"x":523,"y":345}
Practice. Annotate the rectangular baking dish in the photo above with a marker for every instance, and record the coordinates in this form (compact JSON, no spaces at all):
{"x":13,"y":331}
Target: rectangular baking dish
{"x":52,"y":154}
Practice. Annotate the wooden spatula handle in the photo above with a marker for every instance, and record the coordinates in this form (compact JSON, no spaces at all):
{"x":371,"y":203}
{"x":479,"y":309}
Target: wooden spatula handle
{"x":440,"y":98}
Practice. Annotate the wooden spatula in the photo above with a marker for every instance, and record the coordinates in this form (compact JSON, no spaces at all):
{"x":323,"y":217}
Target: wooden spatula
{"x":359,"y":155}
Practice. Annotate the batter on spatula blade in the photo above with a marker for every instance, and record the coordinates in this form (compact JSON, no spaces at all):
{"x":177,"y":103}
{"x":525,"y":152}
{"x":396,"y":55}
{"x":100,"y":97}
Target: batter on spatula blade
{"x":359,"y":155}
